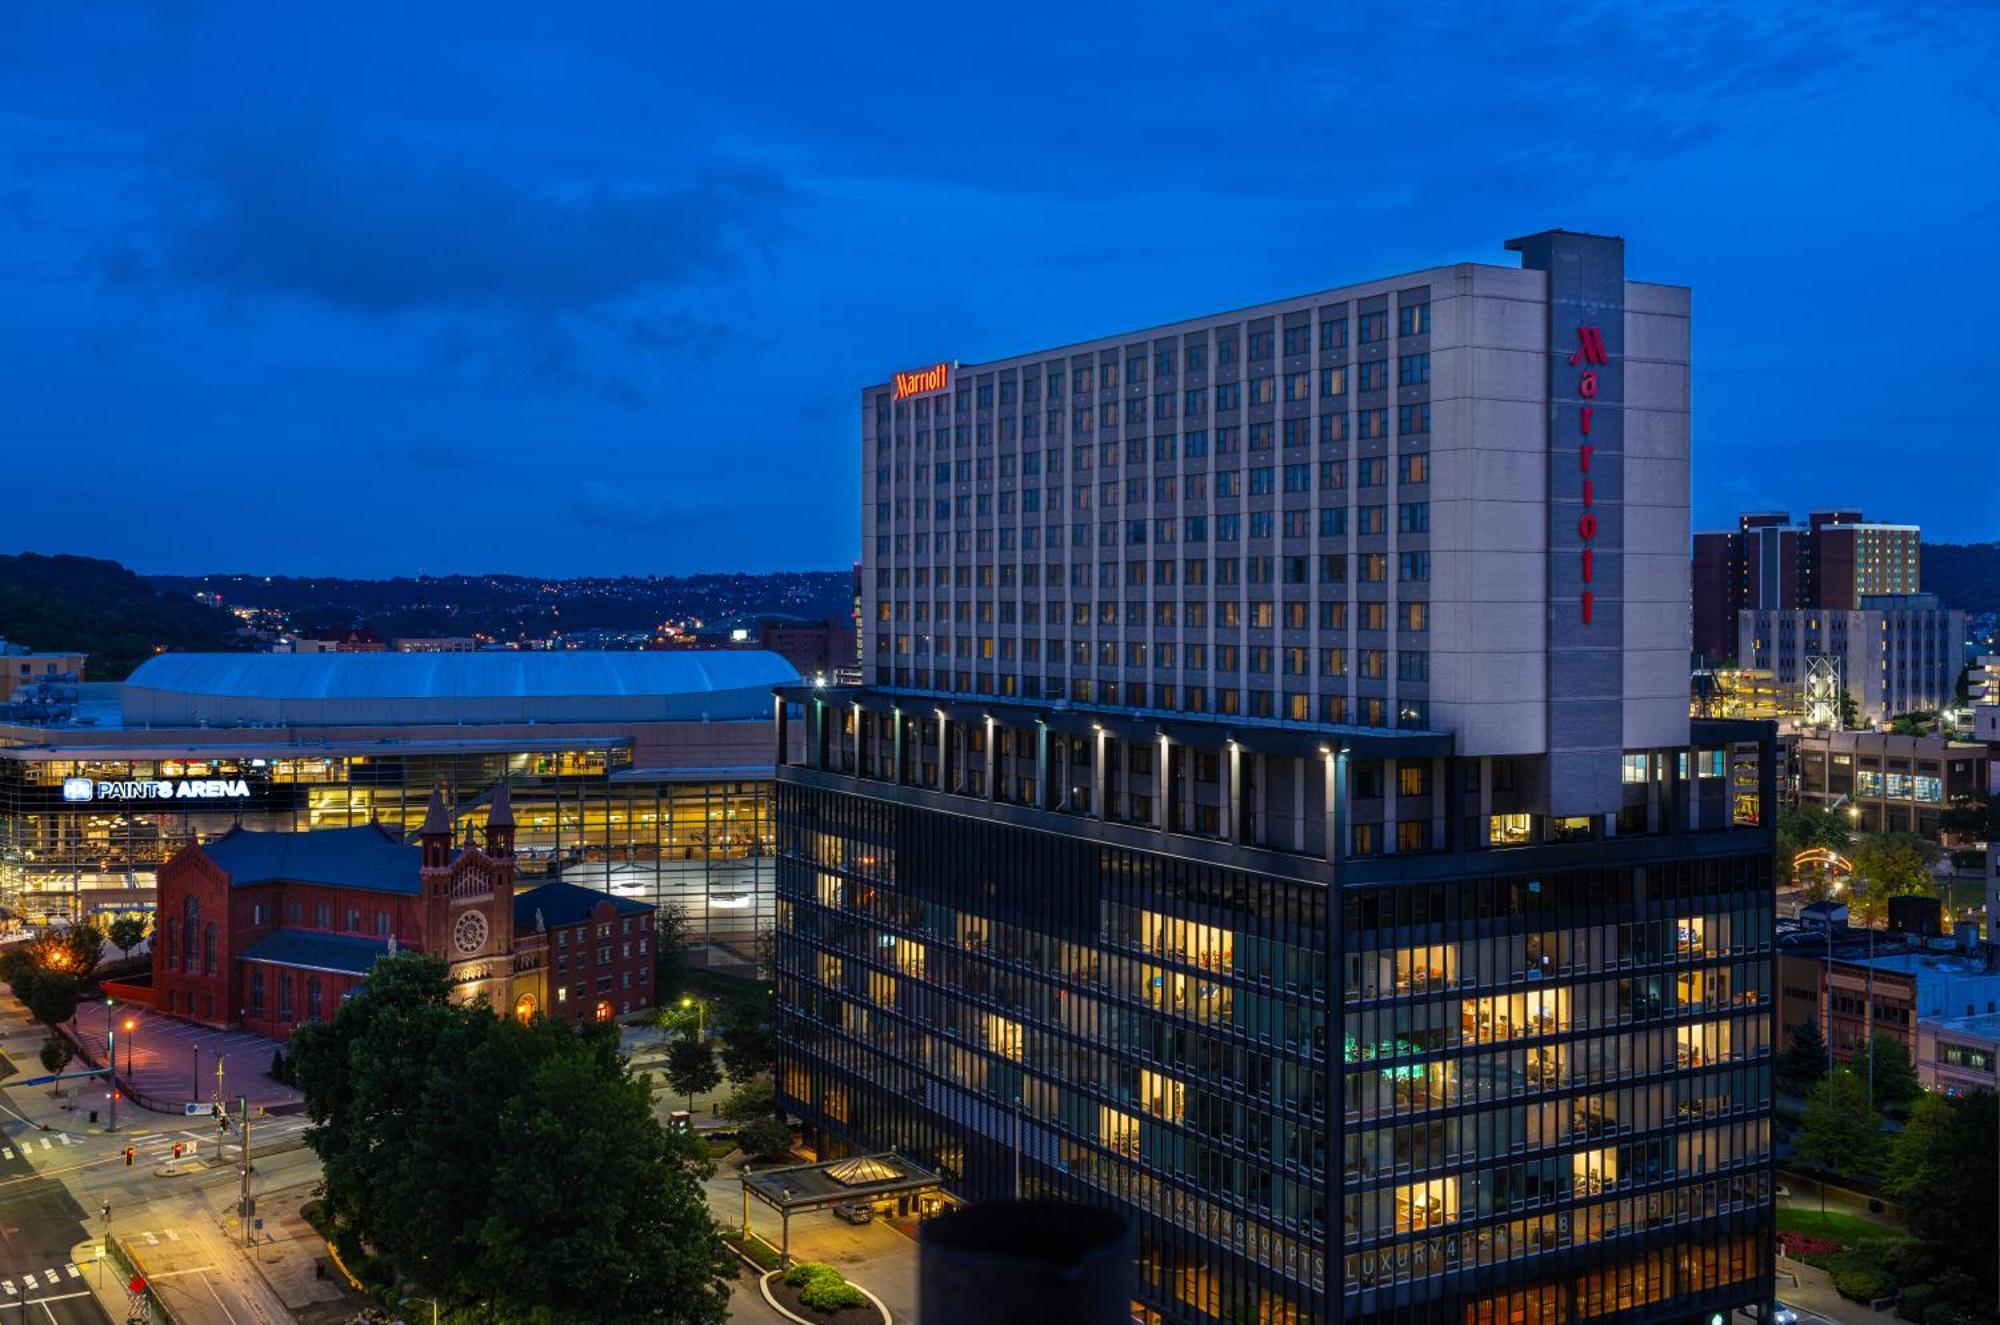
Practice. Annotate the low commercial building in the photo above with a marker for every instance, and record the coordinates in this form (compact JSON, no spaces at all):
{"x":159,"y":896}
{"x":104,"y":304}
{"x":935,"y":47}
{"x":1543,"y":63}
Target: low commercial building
{"x":643,"y":774}
{"x":1854,"y":995}
{"x":23,"y":671}
{"x":1956,"y":1055}
{"x":267,"y":931}
{"x":1898,"y":653}
{"x":1894,"y":783}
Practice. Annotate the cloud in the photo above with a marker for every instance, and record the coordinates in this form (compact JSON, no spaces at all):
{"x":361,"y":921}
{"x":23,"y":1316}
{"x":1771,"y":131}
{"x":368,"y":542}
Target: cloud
{"x":599,"y":505}
{"x":382,"y":229}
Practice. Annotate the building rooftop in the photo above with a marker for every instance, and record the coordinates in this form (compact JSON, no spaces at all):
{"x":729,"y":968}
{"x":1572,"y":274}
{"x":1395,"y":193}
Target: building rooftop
{"x":343,"y":954}
{"x":1985,"y":1025}
{"x":389,"y":689}
{"x":367,"y":858}
{"x":565,"y":904}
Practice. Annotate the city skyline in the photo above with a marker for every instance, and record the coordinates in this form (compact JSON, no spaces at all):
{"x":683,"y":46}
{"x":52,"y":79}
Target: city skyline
{"x":564,"y":282}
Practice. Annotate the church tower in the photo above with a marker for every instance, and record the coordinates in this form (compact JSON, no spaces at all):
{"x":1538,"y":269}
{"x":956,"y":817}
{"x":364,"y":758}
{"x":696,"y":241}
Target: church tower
{"x":435,"y":835}
{"x":500,"y":824}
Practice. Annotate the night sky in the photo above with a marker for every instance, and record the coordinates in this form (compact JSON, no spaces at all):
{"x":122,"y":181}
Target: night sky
{"x":389,"y":289}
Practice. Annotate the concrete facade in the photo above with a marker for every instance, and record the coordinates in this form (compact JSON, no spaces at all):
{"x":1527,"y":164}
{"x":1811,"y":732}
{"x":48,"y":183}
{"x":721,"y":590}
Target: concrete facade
{"x":1897,"y":654}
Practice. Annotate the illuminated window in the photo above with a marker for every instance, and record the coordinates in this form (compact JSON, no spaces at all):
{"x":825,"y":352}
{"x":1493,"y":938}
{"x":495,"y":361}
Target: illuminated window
{"x":1509,"y":829}
{"x":1422,"y":1205}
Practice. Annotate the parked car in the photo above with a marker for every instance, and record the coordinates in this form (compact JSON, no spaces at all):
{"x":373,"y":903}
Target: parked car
{"x":1784,"y":1315}
{"x":855,"y":1212}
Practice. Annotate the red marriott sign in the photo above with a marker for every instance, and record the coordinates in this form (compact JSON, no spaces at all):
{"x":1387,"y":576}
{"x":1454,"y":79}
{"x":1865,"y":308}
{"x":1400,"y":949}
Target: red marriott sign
{"x":923,"y":380}
{"x":1589,"y":356}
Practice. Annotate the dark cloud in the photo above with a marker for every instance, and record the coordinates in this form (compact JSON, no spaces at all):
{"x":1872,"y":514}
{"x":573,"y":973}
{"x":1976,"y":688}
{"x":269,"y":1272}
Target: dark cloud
{"x":381,"y":228}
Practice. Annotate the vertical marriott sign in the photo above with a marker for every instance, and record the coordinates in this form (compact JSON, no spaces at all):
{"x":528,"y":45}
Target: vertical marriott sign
{"x":1586,"y":515}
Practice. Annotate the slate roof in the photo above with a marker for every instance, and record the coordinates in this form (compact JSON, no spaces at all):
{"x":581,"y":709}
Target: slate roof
{"x":366,"y":858}
{"x":566,"y":904}
{"x":346,"y":954}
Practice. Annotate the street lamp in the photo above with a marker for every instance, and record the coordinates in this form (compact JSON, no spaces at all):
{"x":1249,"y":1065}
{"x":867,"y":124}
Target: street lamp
{"x":130,"y":1027}
{"x":700,"y":1007}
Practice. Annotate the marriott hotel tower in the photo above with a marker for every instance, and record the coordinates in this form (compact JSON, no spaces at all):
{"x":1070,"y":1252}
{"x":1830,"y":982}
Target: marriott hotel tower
{"x":1273,"y":811}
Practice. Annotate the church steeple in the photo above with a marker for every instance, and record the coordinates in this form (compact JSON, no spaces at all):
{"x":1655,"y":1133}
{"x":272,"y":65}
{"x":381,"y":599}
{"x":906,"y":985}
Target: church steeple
{"x":435,"y":835}
{"x":500,"y":824}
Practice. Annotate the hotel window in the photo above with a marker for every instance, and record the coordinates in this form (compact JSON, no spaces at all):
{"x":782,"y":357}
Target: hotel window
{"x":1298,"y":386}
{"x":1413,"y":835}
{"x":1263,"y":390}
{"x":1509,"y":830}
{"x":1413,"y":665}
{"x":1632,"y":768}
{"x":1413,"y":370}
{"x":1372,"y":520}
{"x":1374,"y":424}
{"x":1195,"y":357}
{"x":1413,"y":779}
{"x":1367,"y":839}
{"x":1374,"y":327}
{"x":1414,"y":319}
{"x":1298,"y":340}
{"x":1413,"y":566}
{"x":1414,"y":517}
{"x":1413,"y":420}
{"x":1372,"y":472}
{"x":1413,"y":468}
{"x":1260,"y":345}
{"x":1372,"y":375}
{"x":1333,"y":334}
{"x":1375,"y":616}
{"x":1414,"y":616}
{"x":1333,"y":381}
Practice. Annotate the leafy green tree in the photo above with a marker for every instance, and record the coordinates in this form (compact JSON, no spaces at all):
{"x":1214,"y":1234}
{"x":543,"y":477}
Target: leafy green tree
{"x":671,"y":964}
{"x":1803,"y":1062}
{"x":1841,"y":1132}
{"x":749,"y":1040}
{"x":1896,"y":1081}
{"x":751,"y":1100}
{"x":127,"y":932}
{"x":1940,"y":1169}
{"x":1850,"y":712}
{"x":766,"y":1138}
{"x":52,"y":996}
{"x":85,"y":945}
{"x":1800,"y":827}
{"x":1973,"y":818}
{"x":1893,"y":865}
{"x":57,"y":1052}
{"x":515,"y":1168}
{"x":691,"y":1069}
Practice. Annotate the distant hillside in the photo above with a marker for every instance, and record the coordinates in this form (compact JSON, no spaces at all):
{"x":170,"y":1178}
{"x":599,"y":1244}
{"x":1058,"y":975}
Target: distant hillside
{"x":63,"y":603}
{"x":1964,"y":575}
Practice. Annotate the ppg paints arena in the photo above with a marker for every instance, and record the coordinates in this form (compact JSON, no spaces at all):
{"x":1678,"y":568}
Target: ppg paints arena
{"x":646,"y":773}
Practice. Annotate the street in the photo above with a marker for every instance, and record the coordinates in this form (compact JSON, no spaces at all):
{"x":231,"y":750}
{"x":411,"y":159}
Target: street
{"x":176,"y":1216}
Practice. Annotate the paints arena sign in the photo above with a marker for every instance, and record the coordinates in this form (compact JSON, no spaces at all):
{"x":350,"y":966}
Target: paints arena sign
{"x":174,"y":789}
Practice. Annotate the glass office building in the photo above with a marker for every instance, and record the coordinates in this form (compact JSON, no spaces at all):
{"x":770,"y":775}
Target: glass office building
{"x":1275,"y":814}
{"x":642,"y":802}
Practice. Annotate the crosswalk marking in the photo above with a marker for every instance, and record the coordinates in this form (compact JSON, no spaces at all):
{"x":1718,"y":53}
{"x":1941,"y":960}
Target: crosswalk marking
{"x":66,"y":1139}
{"x":7,"y":1151}
{"x":74,"y":1273}
{"x":173,"y":1236}
{"x":47,"y":1144}
{"x":151,"y":1241}
{"x":50,"y":1275}
{"x":29,"y":1280}
{"x":9,"y":1286}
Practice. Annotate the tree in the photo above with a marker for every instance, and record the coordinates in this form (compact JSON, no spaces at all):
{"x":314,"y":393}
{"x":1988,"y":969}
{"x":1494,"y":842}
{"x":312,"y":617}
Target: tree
{"x":1803,"y":1062}
{"x":1850,"y":712}
{"x":750,"y":1101}
{"x":1801,"y":827}
{"x":1935,"y":1170}
{"x":52,"y":997}
{"x":1893,"y":865}
{"x":1972,"y":818}
{"x":57,"y":1052}
{"x":691,"y":1069}
{"x":1841,"y":1133}
{"x":1895,"y":1076}
{"x":513,"y":1166}
{"x":127,"y":933}
{"x":749,"y":1041}
{"x":85,"y":944}
{"x":671,"y":965}
{"x":766,"y":1138}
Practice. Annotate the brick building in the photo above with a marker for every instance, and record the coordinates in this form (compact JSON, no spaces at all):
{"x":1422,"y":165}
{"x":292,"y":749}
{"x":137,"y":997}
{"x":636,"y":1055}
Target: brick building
{"x":265,"y":930}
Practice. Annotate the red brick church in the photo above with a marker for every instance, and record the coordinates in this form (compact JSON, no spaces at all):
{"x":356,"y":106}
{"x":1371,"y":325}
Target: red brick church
{"x":265,"y":931}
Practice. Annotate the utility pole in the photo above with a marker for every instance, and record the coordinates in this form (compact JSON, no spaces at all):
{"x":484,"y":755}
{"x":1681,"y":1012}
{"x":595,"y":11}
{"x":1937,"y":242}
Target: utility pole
{"x":104,"y":1239}
{"x":218,"y":1078}
{"x":111,"y":1068}
{"x":243,"y":1107}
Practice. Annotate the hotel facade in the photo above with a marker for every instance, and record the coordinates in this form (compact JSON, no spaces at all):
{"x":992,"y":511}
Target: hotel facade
{"x":1274,"y":811}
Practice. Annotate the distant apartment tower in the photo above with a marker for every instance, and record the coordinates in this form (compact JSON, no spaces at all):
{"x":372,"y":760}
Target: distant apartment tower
{"x":1275,"y":814}
{"x":1897,"y":653}
{"x":1768,"y":563}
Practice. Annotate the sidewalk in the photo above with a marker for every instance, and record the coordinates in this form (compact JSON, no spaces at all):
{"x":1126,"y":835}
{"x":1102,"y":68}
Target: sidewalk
{"x":1814,"y":1296}
{"x":166,"y":1063}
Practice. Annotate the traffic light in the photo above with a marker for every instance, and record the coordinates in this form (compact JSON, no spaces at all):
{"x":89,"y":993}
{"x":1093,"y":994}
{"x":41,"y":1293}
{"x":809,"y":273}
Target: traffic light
{"x":129,"y":1152}
{"x":178,"y":1147}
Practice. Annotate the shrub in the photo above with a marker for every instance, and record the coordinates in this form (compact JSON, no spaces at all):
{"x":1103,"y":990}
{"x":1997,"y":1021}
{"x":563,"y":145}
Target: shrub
{"x":1916,"y":1299}
{"x":764,"y":1138}
{"x":1862,"y":1283}
{"x":831,"y":1293}
{"x":806,"y":1271}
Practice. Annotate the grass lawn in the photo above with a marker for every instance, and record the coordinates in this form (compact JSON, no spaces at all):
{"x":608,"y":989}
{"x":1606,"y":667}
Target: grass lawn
{"x":1835,"y":1225}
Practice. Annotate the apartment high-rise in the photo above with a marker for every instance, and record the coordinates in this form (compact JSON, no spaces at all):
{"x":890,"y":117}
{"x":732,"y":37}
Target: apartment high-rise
{"x":1769,"y":564}
{"x":1275,"y":814}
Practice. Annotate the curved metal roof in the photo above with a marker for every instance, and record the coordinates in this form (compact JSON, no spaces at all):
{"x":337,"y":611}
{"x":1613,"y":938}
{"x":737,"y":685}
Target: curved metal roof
{"x":373,"y":689}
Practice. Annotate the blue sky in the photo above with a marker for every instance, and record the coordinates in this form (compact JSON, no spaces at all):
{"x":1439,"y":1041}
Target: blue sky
{"x":379,"y":289}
